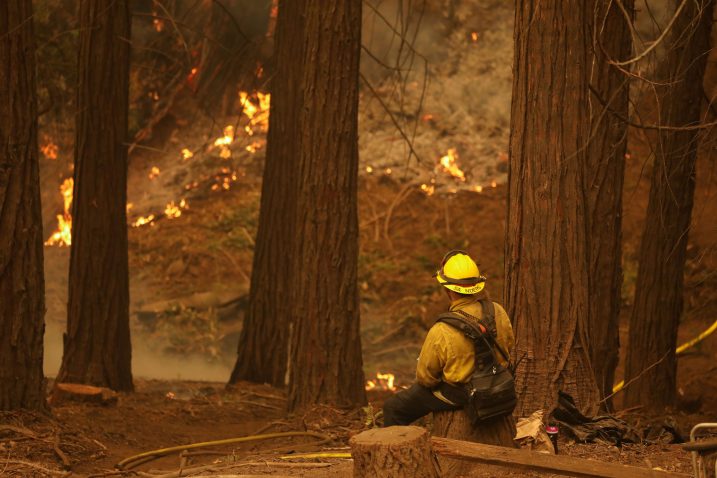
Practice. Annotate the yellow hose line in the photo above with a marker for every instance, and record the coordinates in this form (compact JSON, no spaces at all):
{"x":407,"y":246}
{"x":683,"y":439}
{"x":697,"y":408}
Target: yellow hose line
{"x":315,"y":455}
{"x":165,"y":451}
{"x":680,"y":350}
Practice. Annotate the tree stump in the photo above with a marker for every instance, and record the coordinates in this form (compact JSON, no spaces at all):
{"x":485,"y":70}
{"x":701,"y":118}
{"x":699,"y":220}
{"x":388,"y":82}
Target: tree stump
{"x":393,"y":452}
{"x":456,"y":424}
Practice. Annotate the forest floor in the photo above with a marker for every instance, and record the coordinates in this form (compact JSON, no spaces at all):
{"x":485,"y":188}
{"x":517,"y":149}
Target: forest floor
{"x":92,"y":438}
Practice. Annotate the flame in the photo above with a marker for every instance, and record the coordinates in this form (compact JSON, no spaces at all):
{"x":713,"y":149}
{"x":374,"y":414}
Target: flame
{"x":63,"y":235}
{"x":428,"y":189}
{"x":448,"y":161}
{"x":49,"y":150}
{"x":158,"y":24}
{"x":254,"y":146}
{"x":142,"y":220}
{"x":173,"y":211}
{"x":186,"y":153}
{"x":478,"y":188}
{"x":223,"y":142}
{"x":493,"y":184}
{"x":154,"y":172}
{"x":256,"y":111}
{"x":474,"y":36}
{"x":384,"y":381}
{"x":369,"y":169}
{"x":388,"y":171}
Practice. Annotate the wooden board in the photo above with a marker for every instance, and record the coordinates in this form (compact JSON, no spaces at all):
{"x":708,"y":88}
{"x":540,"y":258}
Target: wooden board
{"x":556,"y":464}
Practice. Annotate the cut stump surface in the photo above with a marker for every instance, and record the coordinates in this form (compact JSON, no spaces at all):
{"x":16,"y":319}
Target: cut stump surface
{"x":393,"y":452}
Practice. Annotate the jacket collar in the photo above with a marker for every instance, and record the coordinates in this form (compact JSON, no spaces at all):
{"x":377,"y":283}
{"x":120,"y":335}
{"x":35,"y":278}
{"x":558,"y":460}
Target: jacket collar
{"x":462,"y":303}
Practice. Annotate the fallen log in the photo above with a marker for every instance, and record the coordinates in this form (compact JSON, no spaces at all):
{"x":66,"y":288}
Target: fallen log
{"x":393,"y":452}
{"x":76,"y":392}
{"x":516,"y":459}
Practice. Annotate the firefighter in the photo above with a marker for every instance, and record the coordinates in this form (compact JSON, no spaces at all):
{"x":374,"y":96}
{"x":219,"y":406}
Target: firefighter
{"x":446,"y":360}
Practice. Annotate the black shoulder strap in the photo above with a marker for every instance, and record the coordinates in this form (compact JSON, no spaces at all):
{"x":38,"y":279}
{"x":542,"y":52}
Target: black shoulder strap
{"x":471,"y":331}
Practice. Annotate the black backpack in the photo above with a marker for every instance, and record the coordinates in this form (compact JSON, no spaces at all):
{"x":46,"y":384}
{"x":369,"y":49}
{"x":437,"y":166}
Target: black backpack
{"x":490,"y":391}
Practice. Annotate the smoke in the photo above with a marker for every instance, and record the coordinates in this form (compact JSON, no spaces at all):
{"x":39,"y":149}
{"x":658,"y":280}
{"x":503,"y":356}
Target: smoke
{"x":147,"y":361}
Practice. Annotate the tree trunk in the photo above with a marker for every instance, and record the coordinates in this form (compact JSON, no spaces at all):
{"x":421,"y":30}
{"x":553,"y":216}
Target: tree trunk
{"x":606,"y":170}
{"x":547,"y":248}
{"x":22,"y":286}
{"x":326,"y":363}
{"x":393,"y":452}
{"x":457,"y":425}
{"x":659,"y":287}
{"x":263,"y":345}
{"x":97,"y":342}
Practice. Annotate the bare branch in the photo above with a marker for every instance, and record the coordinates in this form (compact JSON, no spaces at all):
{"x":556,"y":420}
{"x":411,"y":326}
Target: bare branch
{"x":656,"y":42}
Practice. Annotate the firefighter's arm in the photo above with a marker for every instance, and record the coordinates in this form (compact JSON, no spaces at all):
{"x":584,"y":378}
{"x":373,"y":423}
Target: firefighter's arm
{"x":506,"y":338}
{"x":429,"y":370}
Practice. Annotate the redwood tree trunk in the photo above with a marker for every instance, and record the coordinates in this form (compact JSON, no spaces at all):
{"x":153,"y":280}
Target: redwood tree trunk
{"x":326,"y":363}
{"x":606,"y":170}
{"x":97,"y":342}
{"x":263,"y":345}
{"x":547,"y":246}
{"x":22,"y":287}
{"x":651,"y":359}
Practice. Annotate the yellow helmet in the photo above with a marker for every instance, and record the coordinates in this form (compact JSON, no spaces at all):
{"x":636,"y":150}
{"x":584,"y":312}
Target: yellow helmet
{"x":460,"y":273}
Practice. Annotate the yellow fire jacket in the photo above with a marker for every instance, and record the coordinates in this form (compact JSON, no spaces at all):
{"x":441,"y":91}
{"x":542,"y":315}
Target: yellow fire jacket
{"x":448,"y":356}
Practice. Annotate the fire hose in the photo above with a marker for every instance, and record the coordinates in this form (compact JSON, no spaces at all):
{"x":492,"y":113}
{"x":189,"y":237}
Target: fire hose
{"x":680,"y":350}
{"x":136,"y":460}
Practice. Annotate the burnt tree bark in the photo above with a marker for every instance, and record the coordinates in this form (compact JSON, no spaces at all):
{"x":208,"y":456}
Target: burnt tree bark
{"x":22,"y":286}
{"x":547,"y":262}
{"x":605,"y":173}
{"x":651,"y":359}
{"x":263,"y":345}
{"x":326,"y":363}
{"x":97,"y":343}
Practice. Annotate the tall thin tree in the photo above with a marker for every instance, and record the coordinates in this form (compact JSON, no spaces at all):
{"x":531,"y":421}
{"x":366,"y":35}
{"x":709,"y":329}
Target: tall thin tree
{"x":22,"y":286}
{"x":97,"y":343}
{"x":651,"y":360}
{"x":608,"y":106}
{"x":547,"y":244}
{"x":326,"y":363}
{"x":263,"y":345}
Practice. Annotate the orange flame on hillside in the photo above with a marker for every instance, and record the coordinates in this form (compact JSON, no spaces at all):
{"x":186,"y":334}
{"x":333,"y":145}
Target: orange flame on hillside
{"x":173,"y":211}
{"x":142,"y":220}
{"x":450,"y":164}
{"x":63,"y":235}
{"x":384,"y":381}
{"x":49,"y":150}
{"x":256,"y":110}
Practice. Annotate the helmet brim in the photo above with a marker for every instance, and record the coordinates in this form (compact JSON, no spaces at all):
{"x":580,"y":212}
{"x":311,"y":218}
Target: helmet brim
{"x":462,"y":289}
